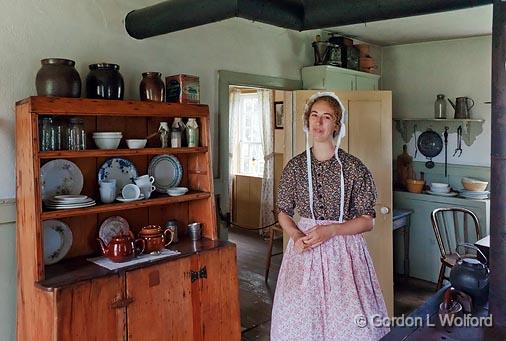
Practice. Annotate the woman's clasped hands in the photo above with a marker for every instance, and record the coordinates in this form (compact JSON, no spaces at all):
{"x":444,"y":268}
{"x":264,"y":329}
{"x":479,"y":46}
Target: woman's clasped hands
{"x":314,"y":237}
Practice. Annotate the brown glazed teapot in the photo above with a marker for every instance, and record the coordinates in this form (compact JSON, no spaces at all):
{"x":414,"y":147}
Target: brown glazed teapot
{"x":155,"y":238}
{"x":121,"y":248}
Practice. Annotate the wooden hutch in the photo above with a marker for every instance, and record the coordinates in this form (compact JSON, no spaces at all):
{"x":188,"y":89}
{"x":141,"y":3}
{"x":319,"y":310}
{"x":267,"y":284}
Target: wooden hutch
{"x":191,"y":296}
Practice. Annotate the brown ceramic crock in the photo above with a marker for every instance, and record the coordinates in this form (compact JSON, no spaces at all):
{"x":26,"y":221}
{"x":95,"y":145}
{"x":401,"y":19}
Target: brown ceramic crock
{"x":58,"y":77}
{"x":152,"y":87}
{"x":121,"y":248}
{"x":155,"y":238}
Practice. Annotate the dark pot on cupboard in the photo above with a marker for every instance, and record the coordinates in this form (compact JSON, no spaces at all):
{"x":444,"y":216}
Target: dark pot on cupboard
{"x":58,"y":77}
{"x":151,"y":87}
{"x":104,"y":82}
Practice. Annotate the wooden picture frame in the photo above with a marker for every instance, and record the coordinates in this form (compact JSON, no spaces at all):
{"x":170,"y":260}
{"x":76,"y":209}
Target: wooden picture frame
{"x":278,"y":115}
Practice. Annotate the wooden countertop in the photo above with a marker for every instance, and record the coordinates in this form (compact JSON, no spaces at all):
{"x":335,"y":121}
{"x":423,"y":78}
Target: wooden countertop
{"x":74,"y":270}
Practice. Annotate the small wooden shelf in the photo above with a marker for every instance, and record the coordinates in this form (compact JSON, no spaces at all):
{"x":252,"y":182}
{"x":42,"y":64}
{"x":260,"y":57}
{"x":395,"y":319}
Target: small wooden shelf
{"x":101,"y":208}
{"x":68,"y":154}
{"x":471,"y":128}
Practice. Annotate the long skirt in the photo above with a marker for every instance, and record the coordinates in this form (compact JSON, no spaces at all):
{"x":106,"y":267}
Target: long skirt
{"x":330,"y":292}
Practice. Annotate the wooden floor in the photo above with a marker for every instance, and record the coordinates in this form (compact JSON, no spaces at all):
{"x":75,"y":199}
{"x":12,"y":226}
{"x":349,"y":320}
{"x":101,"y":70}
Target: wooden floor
{"x":256,"y":296}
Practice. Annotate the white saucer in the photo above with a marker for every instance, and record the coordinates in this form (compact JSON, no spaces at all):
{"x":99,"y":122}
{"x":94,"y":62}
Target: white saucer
{"x":119,"y":198}
{"x":176,"y":191}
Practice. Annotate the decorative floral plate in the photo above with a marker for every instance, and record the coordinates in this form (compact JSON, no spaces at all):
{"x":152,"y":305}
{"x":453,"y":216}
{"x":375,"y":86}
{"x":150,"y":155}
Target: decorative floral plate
{"x":113,"y":226}
{"x":57,"y":240}
{"x":123,"y":170}
{"x":59,"y":177}
{"x":167,"y":171}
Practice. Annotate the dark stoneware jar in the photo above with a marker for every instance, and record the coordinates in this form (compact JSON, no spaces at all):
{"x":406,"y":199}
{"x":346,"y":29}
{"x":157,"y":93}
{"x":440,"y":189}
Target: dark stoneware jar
{"x":152,"y":87}
{"x":104,"y":81}
{"x":58,"y":77}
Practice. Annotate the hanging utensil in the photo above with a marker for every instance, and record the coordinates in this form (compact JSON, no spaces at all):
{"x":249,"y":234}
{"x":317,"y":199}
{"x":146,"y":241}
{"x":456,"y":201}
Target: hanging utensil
{"x":459,"y":142}
{"x":445,"y":134}
{"x":430,"y":145}
{"x":414,"y":134}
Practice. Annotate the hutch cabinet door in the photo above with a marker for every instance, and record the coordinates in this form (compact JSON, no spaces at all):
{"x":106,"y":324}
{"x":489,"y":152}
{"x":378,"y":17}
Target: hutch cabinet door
{"x":162,"y":301}
{"x":91,"y":310}
{"x":219,"y":295}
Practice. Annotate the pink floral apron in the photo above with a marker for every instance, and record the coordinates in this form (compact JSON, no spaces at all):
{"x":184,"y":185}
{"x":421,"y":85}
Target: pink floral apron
{"x":321,"y":293}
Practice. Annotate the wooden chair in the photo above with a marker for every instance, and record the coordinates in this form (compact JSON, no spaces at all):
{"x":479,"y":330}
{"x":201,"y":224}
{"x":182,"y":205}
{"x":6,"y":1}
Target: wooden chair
{"x":272,"y":234}
{"x":451,"y":226}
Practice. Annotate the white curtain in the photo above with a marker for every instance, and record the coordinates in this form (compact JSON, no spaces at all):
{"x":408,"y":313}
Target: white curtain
{"x":267,"y":195}
{"x":233,"y":141}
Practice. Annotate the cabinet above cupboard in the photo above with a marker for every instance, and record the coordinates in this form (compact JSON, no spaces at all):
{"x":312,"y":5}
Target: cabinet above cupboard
{"x":336,"y":78}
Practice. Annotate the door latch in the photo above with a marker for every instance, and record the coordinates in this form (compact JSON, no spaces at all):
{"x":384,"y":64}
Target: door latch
{"x":202,"y":273}
{"x":122,"y":302}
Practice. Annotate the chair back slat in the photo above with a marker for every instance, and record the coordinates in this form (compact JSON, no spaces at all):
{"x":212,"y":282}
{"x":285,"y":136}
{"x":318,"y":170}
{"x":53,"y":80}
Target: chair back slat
{"x":456,"y":226}
{"x":447,"y":237}
{"x":466,"y":228}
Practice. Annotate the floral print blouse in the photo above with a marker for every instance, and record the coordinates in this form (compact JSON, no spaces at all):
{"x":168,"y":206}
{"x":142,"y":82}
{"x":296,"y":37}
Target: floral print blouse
{"x":359,"y":192}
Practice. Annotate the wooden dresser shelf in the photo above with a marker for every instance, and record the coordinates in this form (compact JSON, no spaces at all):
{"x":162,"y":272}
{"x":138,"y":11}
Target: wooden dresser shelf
{"x":68,"y":154}
{"x":117,"y":206}
{"x":74,"y":270}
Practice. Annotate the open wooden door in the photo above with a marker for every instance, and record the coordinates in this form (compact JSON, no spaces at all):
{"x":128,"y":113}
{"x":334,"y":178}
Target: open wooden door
{"x":368,"y":137}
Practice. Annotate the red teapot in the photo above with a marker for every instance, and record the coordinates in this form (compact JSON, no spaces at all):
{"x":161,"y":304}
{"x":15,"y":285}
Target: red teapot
{"x":121,"y":248}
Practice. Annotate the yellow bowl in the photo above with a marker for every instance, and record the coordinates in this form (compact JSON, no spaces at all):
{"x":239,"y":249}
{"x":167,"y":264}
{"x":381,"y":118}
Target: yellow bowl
{"x":415,"y":186}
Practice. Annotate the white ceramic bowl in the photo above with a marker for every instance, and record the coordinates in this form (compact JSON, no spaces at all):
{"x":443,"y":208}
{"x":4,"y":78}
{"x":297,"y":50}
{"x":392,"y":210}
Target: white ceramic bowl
{"x":175,"y":191}
{"x":136,"y":143}
{"x":107,"y":133}
{"x":107,"y":142}
{"x":439,"y":185}
{"x":472,"y":184}
{"x":440,"y":189}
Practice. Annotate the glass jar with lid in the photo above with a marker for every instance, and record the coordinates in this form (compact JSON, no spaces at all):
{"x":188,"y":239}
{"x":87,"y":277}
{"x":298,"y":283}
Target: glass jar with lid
{"x":76,"y":135}
{"x":440,"y":107}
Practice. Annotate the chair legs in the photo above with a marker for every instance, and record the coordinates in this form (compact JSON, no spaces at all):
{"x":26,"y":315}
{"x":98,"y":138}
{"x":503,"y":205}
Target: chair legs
{"x":269,"y":254}
{"x":441,"y":276}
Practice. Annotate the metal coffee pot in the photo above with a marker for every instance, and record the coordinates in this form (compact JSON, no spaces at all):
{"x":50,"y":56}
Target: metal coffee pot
{"x":462,"y":106}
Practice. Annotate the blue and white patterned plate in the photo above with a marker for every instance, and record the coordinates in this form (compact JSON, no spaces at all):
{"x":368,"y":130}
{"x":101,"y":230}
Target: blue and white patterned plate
{"x":167,"y":171}
{"x":59,"y":177}
{"x":123,"y":170}
{"x":57,"y":240}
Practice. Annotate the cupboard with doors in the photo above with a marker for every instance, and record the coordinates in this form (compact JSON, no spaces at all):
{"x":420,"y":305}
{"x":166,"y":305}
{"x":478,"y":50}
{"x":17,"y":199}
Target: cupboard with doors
{"x":189,"y":296}
{"x":337,"y":78}
{"x":368,"y":137}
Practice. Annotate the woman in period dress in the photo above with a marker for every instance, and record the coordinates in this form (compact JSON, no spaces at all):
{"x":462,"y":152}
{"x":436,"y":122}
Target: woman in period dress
{"x":327,"y":285}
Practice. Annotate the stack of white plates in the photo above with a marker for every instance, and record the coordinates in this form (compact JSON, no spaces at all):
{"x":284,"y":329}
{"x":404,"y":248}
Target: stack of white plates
{"x":64,"y":202}
{"x":476,"y":195}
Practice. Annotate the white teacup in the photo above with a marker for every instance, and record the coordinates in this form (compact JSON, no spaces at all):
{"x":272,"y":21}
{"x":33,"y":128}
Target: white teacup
{"x":131,"y":192}
{"x":144,"y":180}
{"x":147,"y":190}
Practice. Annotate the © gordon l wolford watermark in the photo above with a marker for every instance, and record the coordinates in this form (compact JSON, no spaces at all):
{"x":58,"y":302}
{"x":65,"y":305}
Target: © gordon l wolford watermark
{"x":380,"y":321}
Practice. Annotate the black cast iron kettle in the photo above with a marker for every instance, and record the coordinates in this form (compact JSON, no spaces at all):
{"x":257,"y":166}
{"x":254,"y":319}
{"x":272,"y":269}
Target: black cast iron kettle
{"x":471,"y":276}
{"x":430,"y":144}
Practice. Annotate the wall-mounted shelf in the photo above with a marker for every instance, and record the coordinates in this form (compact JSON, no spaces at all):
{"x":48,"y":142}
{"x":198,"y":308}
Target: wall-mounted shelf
{"x":471,"y":128}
